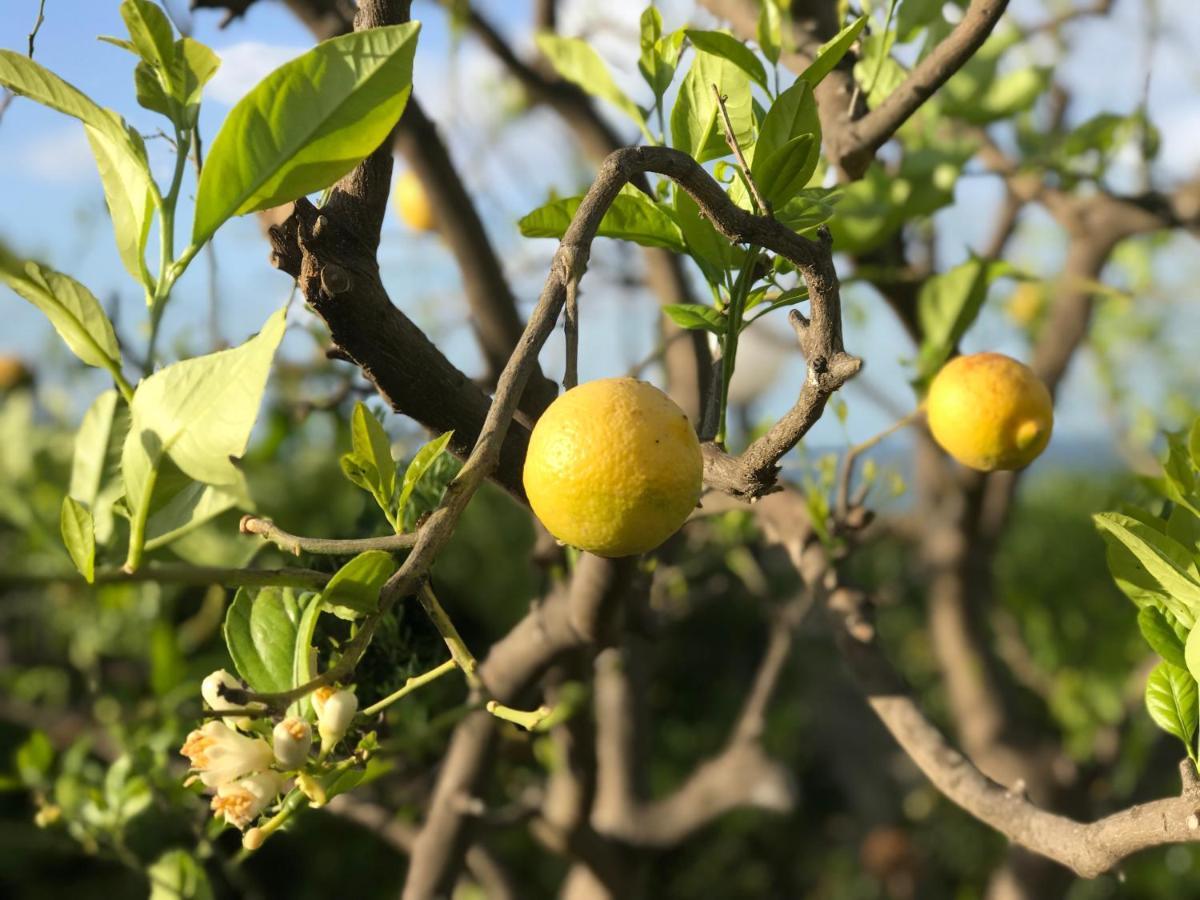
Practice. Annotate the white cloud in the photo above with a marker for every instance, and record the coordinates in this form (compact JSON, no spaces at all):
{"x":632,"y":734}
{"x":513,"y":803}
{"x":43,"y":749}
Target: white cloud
{"x":58,"y":156}
{"x":243,"y":66}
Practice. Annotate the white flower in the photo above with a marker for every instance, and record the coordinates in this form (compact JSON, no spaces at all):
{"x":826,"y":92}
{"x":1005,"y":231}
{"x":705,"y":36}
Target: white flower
{"x":221,"y":755}
{"x":292,"y":739}
{"x":335,"y":712}
{"x":241,"y":801}
{"x":210,"y":690}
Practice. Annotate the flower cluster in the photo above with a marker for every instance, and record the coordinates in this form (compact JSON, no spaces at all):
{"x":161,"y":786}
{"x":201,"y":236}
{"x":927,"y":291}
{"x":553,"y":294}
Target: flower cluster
{"x":246,"y":763}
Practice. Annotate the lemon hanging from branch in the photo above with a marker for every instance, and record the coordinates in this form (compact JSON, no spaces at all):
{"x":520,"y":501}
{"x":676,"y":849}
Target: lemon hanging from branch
{"x":990,"y":412}
{"x":614,"y":467}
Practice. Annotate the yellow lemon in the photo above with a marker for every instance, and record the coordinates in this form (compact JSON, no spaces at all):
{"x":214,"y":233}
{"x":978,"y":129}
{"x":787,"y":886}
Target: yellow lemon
{"x":613,"y":467}
{"x":990,"y":412}
{"x":412,"y":203}
{"x":1026,"y":304}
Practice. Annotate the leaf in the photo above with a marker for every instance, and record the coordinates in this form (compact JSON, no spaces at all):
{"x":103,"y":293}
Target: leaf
{"x":176,"y":875}
{"x":659,"y":54}
{"x":1161,"y":636}
{"x":782,"y":174}
{"x":696,"y":126}
{"x":260,"y":632}
{"x":1191,"y":652}
{"x":713,"y":253}
{"x":632,"y":217}
{"x":79,"y":537}
{"x":34,"y":758}
{"x":372,"y":446}
{"x":119,"y":151}
{"x":72,"y":309}
{"x":787,"y":298}
{"x":726,"y":46}
{"x":1171,"y":702}
{"x":354,"y":588}
{"x":948,"y":305}
{"x":832,"y":51}
{"x":199,"y":412}
{"x":420,"y":464}
{"x":1194,"y":443}
{"x":696,"y":316}
{"x":1165,"y":561}
{"x":809,"y":209}
{"x":186,"y":511}
{"x":150,"y":32}
{"x":794,"y":113}
{"x":576,"y":61}
{"x":92,"y":448}
{"x":306,"y":124}
{"x":302,"y":669}
{"x":770,"y":30}
{"x":195,"y":65}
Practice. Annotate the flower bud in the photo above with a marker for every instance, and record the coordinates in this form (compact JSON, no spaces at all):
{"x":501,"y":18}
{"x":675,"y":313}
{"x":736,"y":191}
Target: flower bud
{"x":240,"y":802}
{"x":253,"y":839}
{"x":292,"y":739}
{"x":221,"y":755}
{"x":210,"y":689}
{"x":335,"y":712}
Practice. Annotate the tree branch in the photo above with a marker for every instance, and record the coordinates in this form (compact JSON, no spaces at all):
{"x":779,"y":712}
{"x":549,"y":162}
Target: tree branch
{"x":294,"y":544}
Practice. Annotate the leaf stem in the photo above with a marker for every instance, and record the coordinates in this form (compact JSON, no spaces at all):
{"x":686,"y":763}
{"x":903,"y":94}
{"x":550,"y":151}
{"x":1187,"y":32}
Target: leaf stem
{"x":410,"y":685}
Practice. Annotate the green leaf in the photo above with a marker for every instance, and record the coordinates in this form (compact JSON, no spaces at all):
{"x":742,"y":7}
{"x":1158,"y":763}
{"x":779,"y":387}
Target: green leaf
{"x":176,"y":875}
{"x":186,"y":510}
{"x":576,"y":61}
{"x":72,"y":309}
{"x":948,"y":305}
{"x":34,"y":758}
{"x":696,"y":126}
{"x":832,"y":51}
{"x":787,"y":298}
{"x":119,"y":151}
{"x":632,"y":217}
{"x":1165,"y":561}
{"x":1191,"y":652}
{"x":150,"y":32}
{"x":794,"y":113}
{"x":770,"y":30}
{"x":659,"y":55}
{"x":781,"y":175}
{"x":260,"y":632}
{"x":713,"y":253}
{"x":96,"y":463}
{"x":194,"y":65}
{"x":420,"y":464}
{"x":306,"y":124}
{"x":302,"y":667}
{"x":79,"y":537}
{"x":809,"y":209}
{"x":1181,"y":483}
{"x":199,"y":412}
{"x":1194,"y":443}
{"x":1161,"y":636}
{"x":354,"y":588}
{"x":726,"y":46}
{"x":696,"y":316}
{"x":1171,"y":702}
{"x":372,"y":447}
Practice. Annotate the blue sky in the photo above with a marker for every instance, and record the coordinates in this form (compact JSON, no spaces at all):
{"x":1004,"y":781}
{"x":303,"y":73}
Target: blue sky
{"x":57,"y":214}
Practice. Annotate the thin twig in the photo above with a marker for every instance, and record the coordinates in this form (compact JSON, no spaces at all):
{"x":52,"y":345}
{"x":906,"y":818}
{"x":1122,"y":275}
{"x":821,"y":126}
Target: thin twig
{"x":37,"y":26}
{"x":842,"y":504}
{"x":731,"y":139}
{"x":295,"y":544}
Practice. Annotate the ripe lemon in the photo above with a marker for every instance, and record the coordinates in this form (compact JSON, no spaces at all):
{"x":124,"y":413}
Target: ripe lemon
{"x":412,"y":203}
{"x":613,"y":467}
{"x":990,"y":412}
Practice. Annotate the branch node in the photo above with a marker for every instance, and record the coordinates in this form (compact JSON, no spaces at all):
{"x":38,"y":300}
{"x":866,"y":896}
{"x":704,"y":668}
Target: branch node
{"x":334,"y":279}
